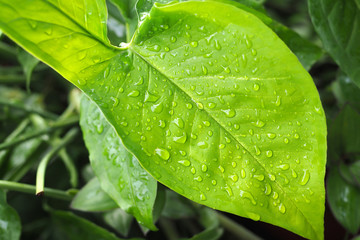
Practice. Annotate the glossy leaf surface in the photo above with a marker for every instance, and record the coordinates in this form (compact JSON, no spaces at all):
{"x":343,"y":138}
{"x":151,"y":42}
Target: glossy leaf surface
{"x":119,"y":220}
{"x":118,"y":171}
{"x":340,"y":38}
{"x":344,"y":201}
{"x":92,"y":198}
{"x":10,"y":226}
{"x":211,"y":102}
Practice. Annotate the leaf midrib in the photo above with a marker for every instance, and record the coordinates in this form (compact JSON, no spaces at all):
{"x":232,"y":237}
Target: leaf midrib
{"x":257,"y":160}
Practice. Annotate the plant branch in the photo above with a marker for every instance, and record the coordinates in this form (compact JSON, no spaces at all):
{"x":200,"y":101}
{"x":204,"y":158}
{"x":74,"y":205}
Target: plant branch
{"x":27,"y":188}
{"x":40,"y":174}
{"x":29,"y":109}
{"x":40,"y":132}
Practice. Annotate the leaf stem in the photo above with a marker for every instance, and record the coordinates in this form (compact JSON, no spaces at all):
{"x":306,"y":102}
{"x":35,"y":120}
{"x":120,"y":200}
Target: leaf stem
{"x":40,"y":132}
{"x":70,"y":166}
{"x":27,"y":188}
{"x":40,"y":174}
{"x":236,"y":229}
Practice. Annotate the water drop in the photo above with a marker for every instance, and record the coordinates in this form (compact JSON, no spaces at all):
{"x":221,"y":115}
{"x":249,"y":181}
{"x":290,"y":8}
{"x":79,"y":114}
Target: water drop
{"x":180,"y":139}
{"x":267,"y":189}
{"x":155,"y":48}
{"x":259,"y":177}
{"x":198,"y":178}
{"x":134,"y":93}
{"x":282,"y":208}
{"x":257,"y":151}
{"x":253,"y":216}
{"x":293,"y":173}
{"x":207,"y":123}
{"x":296,"y":136}
{"x":258,"y":124}
{"x":229,"y":112}
{"x":217,"y":45}
{"x":162,"y":124}
{"x":269,"y":153}
{"x":204,"y":69}
{"x":49,"y":31}
{"x":202,"y":145}
{"x":204,"y":168}
{"x":286,"y":140}
{"x":173,"y":39}
{"x":278,"y":101}
{"x":247,"y":195}
{"x":236,"y":126}
{"x":211,"y":105}
{"x":272,"y":177}
{"x":163,"y":153}
{"x":271,"y":135}
{"x":284,"y":166}
{"x":256,"y":87}
{"x":202,"y":197}
{"x":233,"y":164}
{"x":179,"y":122}
{"x":99,"y":128}
{"x":234,"y":177}
{"x":189,"y":106}
{"x":213,"y":182}
{"x":221,"y":146}
{"x":221,"y":168}
{"x":242,"y":173}
{"x":194,"y":44}
{"x":157,"y":108}
{"x":305,"y":178}
{"x":193,"y":170}
{"x":228,"y":190}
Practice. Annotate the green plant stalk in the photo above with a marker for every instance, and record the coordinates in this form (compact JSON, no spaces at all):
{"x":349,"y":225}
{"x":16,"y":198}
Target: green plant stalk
{"x":27,"y":188}
{"x":236,"y":229}
{"x":40,"y":174}
{"x":70,"y":166}
{"x":34,"y":134}
{"x":29,"y":109}
{"x":20,"y":128}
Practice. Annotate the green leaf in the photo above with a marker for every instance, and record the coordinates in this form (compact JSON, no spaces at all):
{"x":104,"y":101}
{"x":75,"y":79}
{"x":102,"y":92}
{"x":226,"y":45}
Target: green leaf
{"x":119,"y":220}
{"x":28,"y":62}
{"x":346,"y":92}
{"x":176,"y":207}
{"x":118,"y":171}
{"x":344,"y":201}
{"x":340,"y":38}
{"x":210,"y":221}
{"x":344,"y":135}
{"x":92,"y":198}
{"x":10,"y":226}
{"x":210,"y":101}
{"x":77,"y":228}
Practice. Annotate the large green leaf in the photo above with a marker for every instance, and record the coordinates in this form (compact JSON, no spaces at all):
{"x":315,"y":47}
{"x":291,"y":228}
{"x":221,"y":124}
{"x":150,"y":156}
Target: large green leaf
{"x":211,"y":102}
{"x":344,"y":201}
{"x":340,"y":38}
{"x":118,"y":171}
{"x":10,"y":226}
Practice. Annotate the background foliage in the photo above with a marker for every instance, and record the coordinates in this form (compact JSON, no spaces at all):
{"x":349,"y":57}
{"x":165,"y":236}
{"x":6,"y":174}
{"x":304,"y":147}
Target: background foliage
{"x":39,"y":118}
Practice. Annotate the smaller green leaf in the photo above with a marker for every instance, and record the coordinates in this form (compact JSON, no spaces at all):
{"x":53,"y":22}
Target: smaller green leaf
{"x":28,"y":62}
{"x":176,"y":206}
{"x":10,"y":226}
{"x":356,"y":238}
{"x":344,"y":135}
{"x":92,"y":198}
{"x":346,"y":92}
{"x":339,"y":38}
{"x":119,"y":172}
{"x":119,"y":220}
{"x":344,"y":201}
{"x":75,"y":227}
{"x":115,"y":25}
{"x":209,"y":219}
